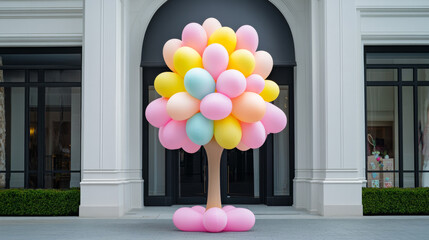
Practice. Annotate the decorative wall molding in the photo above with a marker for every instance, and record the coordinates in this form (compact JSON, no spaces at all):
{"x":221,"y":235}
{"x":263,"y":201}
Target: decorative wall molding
{"x":34,"y":40}
{"x":393,"y":22}
{"x":111,"y":175}
{"x":391,"y":4}
{"x":395,"y":38}
{"x":29,"y":12}
{"x":41,"y":23}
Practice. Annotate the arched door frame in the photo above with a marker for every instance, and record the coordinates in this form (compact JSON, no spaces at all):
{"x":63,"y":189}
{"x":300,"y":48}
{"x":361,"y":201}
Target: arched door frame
{"x":297,"y":15}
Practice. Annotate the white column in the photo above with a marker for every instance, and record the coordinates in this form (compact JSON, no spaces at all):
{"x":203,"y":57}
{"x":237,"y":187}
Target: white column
{"x":338,"y":126}
{"x":108,"y":187}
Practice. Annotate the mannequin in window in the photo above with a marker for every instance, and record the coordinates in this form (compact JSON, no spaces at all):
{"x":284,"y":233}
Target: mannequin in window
{"x":425,"y":151}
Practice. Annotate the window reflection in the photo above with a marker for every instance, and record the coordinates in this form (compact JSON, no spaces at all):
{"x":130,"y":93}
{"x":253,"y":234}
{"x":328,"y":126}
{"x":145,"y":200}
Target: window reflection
{"x":382,"y":136}
{"x":382,"y":75}
{"x":423,"y":118}
{"x":281,"y":148}
{"x":40,"y":126}
{"x":156,"y":159}
{"x":62,"y":135}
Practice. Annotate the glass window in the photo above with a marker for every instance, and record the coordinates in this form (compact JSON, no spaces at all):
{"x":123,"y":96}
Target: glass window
{"x":397,"y":58}
{"x":281,"y":149}
{"x":382,"y":75}
{"x":423,"y":118}
{"x":40,"y":125}
{"x":156,"y":157}
{"x":63,"y":76}
{"x":33,"y":75}
{"x":407,"y":74}
{"x":397,"y":115}
{"x":16,"y":180}
{"x":193,"y":173}
{"x":423,"y":74}
{"x":16,"y":106}
{"x":11,"y":131}
{"x":13,"y":76}
{"x":62,"y":130}
{"x":33,"y":161}
{"x":240,"y":173}
{"x":382,"y":179}
{"x":424,"y":178}
{"x":408,"y":179}
{"x":408,"y":128}
{"x":2,"y":176}
{"x":382,"y":128}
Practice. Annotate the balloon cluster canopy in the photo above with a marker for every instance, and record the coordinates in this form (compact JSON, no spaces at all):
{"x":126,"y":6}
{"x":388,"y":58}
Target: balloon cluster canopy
{"x":216,"y":95}
{"x":217,"y":88}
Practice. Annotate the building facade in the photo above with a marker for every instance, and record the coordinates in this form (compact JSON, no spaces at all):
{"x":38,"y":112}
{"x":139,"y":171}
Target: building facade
{"x":76,"y":76}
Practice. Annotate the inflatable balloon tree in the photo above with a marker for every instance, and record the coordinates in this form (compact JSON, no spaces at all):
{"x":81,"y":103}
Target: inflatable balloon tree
{"x":215,"y":96}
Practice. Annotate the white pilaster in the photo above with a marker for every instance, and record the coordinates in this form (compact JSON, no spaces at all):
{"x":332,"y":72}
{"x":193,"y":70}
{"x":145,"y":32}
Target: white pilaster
{"x":337,"y":115}
{"x":109,"y":186}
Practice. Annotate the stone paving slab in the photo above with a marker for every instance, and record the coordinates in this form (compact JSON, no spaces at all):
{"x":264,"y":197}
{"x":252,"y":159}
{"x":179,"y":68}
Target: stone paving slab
{"x":271,"y":223}
{"x":65,"y":228}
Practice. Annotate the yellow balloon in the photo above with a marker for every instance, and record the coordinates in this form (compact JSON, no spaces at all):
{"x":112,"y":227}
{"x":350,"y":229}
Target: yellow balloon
{"x":271,"y":91}
{"x":186,"y":58}
{"x":243,"y":61}
{"x":224,"y":36}
{"x":227,"y":132}
{"x":169,"y":83}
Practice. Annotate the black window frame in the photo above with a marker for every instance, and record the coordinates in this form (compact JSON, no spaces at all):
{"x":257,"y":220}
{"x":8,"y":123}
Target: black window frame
{"x":41,"y":86}
{"x":399,"y":84}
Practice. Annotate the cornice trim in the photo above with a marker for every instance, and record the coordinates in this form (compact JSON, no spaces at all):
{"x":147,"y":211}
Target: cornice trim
{"x":25,"y":39}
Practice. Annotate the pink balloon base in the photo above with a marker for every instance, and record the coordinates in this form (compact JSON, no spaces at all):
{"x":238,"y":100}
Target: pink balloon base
{"x":226,"y":219}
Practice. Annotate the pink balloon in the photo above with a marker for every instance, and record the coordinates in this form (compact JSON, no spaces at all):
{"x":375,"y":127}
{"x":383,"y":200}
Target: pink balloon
{"x":156,"y":112}
{"x":182,"y":106}
{"x":170,"y":47}
{"x":214,"y":219}
{"x":253,"y":134}
{"x":263,"y":64}
{"x":189,"y":220}
{"x":173,"y":134}
{"x":228,"y":208}
{"x":239,"y":220}
{"x":210,"y":25}
{"x":189,"y":146}
{"x":247,"y":38}
{"x":274,"y":119}
{"x":255,"y":83}
{"x":216,"y":106}
{"x":199,"y":209}
{"x":194,"y":36}
{"x":241,"y":146}
{"x":231,"y":82}
{"x":215,"y":59}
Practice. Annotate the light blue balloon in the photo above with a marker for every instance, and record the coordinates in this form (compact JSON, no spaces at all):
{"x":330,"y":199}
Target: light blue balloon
{"x":199,"y":83}
{"x":199,"y":129}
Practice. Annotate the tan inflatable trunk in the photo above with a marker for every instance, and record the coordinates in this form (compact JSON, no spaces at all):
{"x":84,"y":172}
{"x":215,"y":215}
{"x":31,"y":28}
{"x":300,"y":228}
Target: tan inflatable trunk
{"x":214,"y":153}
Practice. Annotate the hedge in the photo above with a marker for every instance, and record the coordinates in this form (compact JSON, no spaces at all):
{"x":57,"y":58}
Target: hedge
{"x":395,"y":201}
{"x":39,"y":202}
{"x":53,"y":202}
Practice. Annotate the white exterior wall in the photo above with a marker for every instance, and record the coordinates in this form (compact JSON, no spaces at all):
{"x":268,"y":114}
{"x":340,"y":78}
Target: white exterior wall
{"x":329,"y":36}
{"x":41,"y":23}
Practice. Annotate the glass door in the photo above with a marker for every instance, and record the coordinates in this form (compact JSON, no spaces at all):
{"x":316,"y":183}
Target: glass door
{"x":239,"y":177}
{"x":255,"y":176}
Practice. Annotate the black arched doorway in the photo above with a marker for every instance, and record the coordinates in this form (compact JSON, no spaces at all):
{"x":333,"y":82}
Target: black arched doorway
{"x":255,"y":176}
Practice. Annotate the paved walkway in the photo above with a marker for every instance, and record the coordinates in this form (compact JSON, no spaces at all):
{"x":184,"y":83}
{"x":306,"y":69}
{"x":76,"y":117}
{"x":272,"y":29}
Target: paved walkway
{"x":271,"y":223}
